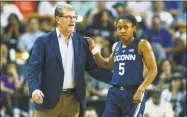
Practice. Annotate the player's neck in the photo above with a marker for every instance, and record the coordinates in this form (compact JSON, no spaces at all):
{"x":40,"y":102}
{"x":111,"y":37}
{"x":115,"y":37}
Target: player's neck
{"x":127,"y":42}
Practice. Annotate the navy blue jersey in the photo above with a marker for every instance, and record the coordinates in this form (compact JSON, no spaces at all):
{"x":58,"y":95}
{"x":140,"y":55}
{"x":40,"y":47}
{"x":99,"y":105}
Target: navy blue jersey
{"x":128,"y":65}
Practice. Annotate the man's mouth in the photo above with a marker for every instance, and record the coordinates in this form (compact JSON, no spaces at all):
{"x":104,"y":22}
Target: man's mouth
{"x":71,"y":25}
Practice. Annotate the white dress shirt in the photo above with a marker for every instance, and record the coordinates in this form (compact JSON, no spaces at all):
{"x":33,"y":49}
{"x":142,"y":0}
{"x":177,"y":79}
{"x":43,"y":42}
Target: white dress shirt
{"x":67,"y":52}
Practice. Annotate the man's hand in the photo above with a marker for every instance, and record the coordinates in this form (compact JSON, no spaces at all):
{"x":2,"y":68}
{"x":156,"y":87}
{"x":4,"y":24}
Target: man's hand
{"x":37,"y":96}
{"x":138,"y":97}
{"x":90,"y":42}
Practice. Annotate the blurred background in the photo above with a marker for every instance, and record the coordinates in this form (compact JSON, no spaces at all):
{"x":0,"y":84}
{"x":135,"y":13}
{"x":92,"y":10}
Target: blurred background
{"x":163,"y":24}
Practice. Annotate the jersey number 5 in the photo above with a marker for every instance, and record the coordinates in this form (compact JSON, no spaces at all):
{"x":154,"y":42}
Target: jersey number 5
{"x":121,"y":68}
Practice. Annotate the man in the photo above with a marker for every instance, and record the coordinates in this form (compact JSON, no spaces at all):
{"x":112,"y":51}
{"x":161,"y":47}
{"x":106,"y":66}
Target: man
{"x":27,"y":39}
{"x":126,"y":97}
{"x":157,"y":107}
{"x":90,"y":112}
{"x":160,"y":38}
{"x":57,"y":66}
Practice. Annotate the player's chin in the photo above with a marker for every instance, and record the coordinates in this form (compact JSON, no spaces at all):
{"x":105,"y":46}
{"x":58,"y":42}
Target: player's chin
{"x":124,"y":38}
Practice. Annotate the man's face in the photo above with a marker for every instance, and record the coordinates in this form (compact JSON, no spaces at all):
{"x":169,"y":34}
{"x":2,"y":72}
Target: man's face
{"x":125,"y":29}
{"x":67,"y":21}
{"x":156,"y":97}
{"x":34,"y":25}
{"x":156,"y":25}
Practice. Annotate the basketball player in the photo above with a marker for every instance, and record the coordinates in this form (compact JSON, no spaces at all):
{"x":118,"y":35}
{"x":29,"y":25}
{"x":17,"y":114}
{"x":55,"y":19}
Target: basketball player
{"x":127,"y":96}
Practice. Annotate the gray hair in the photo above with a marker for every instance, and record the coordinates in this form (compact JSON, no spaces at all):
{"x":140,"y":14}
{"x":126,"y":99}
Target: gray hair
{"x":60,"y":8}
{"x":59,"y":11}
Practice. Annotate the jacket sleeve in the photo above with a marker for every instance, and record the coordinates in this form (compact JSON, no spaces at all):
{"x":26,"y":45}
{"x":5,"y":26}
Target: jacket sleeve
{"x":35,"y":65}
{"x":94,"y":70}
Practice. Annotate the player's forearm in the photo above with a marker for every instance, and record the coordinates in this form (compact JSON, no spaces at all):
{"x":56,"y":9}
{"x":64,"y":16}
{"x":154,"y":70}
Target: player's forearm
{"x":101,"y":61}
{"x":151,"y":74}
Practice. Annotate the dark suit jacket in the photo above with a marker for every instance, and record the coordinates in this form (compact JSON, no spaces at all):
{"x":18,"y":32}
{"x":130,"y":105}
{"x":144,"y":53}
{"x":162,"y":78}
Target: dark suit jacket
{"x":45,"y":69}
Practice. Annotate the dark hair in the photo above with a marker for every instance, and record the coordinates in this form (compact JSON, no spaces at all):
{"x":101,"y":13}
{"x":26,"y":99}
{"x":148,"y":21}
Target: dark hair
{"x":131,"y":19}
{"x":13,"y":15}
{"x":128,"y":17}
{"x":162,"y":63}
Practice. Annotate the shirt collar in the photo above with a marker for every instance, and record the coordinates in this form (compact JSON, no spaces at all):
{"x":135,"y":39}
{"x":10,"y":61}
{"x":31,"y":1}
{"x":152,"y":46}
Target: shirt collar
{"x":59,"y":34}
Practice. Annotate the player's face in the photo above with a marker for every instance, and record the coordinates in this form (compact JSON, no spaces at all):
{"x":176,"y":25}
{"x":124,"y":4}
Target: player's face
{"x":67,"y":21}
{"x":125,"y":29}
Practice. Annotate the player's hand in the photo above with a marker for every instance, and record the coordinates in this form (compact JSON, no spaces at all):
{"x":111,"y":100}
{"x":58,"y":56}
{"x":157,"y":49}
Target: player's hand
{"x":90,"y":42}
{"x":37,"y":96}
{"x":138,"y":97}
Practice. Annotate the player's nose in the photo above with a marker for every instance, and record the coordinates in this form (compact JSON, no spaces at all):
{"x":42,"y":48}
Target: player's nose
{"x":123,"y":30}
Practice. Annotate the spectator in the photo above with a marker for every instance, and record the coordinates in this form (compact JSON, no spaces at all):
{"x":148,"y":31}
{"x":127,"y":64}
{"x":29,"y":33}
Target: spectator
{"x":6,"y":10}
{"x":45,"y":25}
{"x":106,"y":52}
{"x":9,"y":84}
{"x":14,"y":28}
{"x":104,"y":25}
{"x":174,"y":94}
{"x":90,"y":112}
{"x":92,"y":14}
{"x":178,"y":55}
{"x":156,"y":107}
{"x":27,"y":39}
{"x":158,"y":35}
{"x":158,"y":9}
{"x":100,"y":42}
{"x":165,"y":74}
{"x":120,"y":8}
{"x":4,"y":58}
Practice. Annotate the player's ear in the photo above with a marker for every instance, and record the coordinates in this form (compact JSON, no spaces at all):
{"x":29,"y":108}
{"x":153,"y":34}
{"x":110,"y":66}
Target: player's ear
{"x":134,"y":28}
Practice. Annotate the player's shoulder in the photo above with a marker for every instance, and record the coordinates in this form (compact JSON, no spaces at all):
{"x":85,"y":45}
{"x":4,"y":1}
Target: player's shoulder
{"x":114,"y":45}
{"x":143,"y":42}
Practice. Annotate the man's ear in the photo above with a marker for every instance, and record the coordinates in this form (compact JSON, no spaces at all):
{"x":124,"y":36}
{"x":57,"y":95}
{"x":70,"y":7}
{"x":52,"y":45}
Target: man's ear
{"x":57,"y":19}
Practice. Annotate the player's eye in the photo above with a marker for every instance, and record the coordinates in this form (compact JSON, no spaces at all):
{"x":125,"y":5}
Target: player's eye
{"x":119,"y":28}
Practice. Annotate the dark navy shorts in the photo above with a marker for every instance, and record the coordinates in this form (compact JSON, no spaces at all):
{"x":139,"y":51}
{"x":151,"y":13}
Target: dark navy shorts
{"x":119,"y":103}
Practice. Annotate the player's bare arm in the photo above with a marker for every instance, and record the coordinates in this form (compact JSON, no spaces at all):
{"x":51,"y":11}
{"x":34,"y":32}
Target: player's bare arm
{"x":146,"y":51}
{"x":106,"y":64}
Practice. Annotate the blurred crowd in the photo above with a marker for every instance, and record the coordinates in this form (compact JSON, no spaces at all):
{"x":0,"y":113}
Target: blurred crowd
{"x":163,"y":24}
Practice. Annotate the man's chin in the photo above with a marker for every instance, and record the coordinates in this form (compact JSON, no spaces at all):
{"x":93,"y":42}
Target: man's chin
{"x":71,"y":29}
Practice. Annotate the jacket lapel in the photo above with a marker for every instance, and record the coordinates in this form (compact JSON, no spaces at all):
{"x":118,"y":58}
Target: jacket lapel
{"x":55,"y":46}
{"x":76,"y":48}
